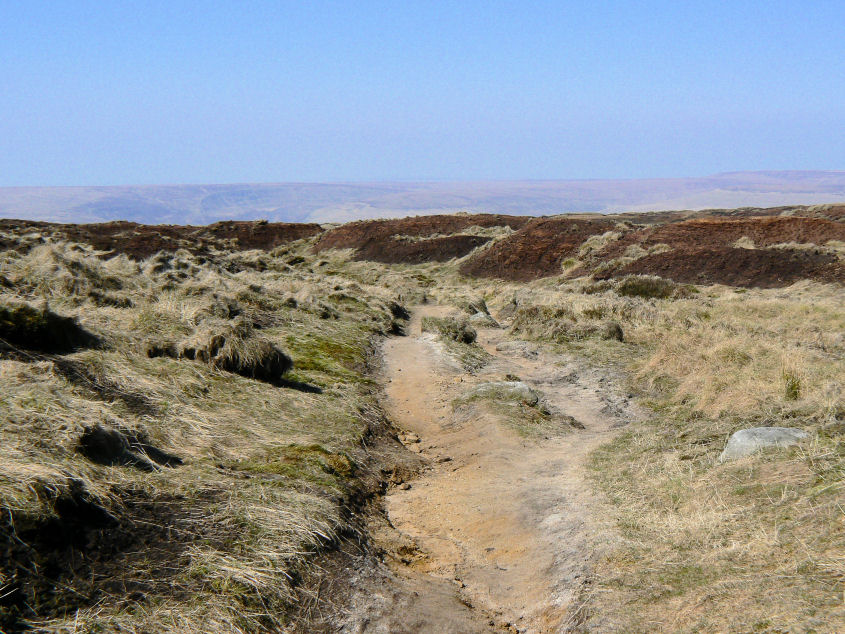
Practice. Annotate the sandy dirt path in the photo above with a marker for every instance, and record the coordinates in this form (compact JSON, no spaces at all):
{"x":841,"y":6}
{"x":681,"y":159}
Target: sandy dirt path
{"x":510,"y":522}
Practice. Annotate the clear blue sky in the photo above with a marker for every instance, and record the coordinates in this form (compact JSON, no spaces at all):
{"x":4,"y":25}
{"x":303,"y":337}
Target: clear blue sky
{"x":198,"y":92}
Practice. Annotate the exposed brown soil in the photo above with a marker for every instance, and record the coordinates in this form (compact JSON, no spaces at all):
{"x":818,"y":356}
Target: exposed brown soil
{"x":502,"y":524}
{"x":536,"y":250}
{"x":753,"y":268}
{"x":717,"y":233}
{"x":141,"y":241}
{"x":395,"y":251}
{"x":485,"y":530}
{"x":358,"y":593}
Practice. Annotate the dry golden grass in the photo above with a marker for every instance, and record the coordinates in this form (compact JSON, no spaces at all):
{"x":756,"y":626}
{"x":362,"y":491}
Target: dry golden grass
{"x":748,"y":546}
{"x":752,"y":545}
{"x":215,"y":544}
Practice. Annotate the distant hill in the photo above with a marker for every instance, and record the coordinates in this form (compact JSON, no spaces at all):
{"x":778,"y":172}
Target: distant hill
{"x":341,"y":202}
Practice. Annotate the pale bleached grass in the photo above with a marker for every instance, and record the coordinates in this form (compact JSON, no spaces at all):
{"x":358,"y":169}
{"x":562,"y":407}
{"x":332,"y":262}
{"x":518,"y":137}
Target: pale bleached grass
{"x":597,"y":243}
{"x":753,"y":545}
{"x":263,"y":519}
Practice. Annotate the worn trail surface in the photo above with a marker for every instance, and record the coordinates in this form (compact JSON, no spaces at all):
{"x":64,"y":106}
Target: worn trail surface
{"x":500,"y":529}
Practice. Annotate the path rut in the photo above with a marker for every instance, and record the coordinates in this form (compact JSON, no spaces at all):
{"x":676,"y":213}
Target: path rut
{"x":506,"y":524}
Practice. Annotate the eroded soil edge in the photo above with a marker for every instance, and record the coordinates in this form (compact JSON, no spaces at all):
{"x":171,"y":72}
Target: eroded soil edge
{"x":499,"y":529}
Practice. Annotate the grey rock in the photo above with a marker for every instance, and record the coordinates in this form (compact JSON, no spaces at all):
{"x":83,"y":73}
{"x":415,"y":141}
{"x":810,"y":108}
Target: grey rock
{"x":509,"y":309}
{"x":749,"y":441}
{"x":478,"y":306}
{"x":483,"y":320}
{"x":553,"y":377}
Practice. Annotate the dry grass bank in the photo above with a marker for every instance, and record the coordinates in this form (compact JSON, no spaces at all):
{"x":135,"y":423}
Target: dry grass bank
{"x":171,"y":474}
{"x":751,"y":545}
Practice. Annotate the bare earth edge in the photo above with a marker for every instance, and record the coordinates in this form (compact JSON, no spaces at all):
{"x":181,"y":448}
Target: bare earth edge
{"x":497,"y":531}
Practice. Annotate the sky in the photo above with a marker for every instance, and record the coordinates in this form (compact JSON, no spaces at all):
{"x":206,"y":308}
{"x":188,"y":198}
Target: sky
{"x":107,"y":93}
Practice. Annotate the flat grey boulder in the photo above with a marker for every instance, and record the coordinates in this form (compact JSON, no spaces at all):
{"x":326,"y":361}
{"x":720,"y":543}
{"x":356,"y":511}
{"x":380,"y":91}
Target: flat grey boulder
{"x":749,"y":441}
{"x":483,"y":320}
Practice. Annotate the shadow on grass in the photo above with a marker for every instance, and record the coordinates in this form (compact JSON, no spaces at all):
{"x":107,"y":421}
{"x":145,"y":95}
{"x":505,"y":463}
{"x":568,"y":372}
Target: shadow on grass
{"x":298,"y":385}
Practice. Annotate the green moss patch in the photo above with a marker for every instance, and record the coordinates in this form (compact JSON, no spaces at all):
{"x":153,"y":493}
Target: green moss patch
{"x":310,"y":462}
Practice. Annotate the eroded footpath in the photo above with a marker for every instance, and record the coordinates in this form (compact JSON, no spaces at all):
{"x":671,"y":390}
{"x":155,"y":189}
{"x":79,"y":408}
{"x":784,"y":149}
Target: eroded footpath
{"x":500,"y":529}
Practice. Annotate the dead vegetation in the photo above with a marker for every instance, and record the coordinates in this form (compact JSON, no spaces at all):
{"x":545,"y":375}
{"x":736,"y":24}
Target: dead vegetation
{"x":187,"y":489}
{"x":175,"y":467}
{"x":744,"y":546}
{"x":751,"y":545}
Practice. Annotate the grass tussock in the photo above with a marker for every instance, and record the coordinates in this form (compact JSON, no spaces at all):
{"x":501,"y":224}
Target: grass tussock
{"x":515,"y":404}
{"x":154,"y":493}
{"x":649,"y":286}
{"x":458,"y":336}
{"x":457,"y":330}
{"x":560,"y":324}
{"x":752,"y":545}
{"x":232,"y":347}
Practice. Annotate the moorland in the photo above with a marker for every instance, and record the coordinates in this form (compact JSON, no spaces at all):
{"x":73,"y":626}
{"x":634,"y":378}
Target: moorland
{"x":465,"y":422}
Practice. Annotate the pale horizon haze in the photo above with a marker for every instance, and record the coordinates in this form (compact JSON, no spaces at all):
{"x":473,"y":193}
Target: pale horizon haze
{"x":267,"y":92}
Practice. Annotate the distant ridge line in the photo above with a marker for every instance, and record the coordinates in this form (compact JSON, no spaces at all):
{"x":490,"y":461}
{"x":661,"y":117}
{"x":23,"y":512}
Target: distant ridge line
{"x":202,"y":204}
